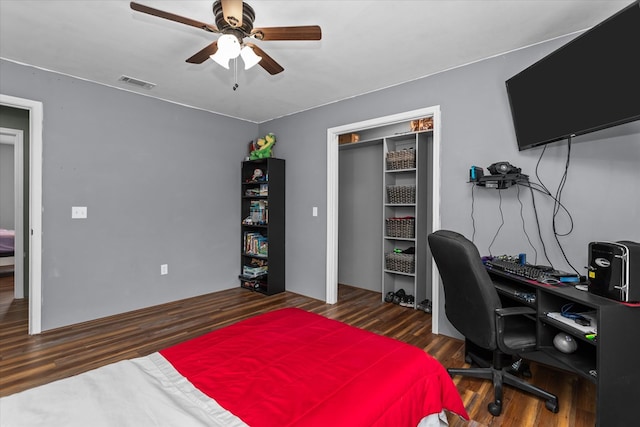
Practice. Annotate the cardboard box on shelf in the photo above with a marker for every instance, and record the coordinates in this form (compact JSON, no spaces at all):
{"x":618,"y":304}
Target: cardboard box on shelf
{"x":348,"y":138}
{"x":422,"y":124}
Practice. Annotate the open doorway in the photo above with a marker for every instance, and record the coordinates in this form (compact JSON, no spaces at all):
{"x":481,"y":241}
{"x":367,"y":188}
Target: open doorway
{"x":34,"y":218}
{"x":333,"y":193}
{"x":11,"y":210}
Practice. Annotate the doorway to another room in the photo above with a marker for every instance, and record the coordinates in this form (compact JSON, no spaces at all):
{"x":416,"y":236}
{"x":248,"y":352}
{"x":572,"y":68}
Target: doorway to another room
{"x":27,"y":223}
{"x":11,"y":207}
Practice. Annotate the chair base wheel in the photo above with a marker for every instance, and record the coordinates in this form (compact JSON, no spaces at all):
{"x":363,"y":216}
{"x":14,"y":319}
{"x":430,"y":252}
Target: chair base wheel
{"x":494,"y":408}
{"x":552,"y":405}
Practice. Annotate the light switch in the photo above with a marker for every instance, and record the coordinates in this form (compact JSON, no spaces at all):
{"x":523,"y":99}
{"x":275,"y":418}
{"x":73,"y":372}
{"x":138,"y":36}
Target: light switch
{"x":315,"y":211}
{"x":78,"y":212}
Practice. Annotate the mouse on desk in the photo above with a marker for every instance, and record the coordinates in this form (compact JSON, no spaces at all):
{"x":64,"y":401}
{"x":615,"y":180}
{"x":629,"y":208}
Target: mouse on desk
{"x":582,"y":287}
{"x":549,"y":281}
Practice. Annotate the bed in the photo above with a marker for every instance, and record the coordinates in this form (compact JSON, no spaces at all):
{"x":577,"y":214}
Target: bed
{"x":287,"y":367}
{"x":7,"y":242}
{"x":7,"y":249}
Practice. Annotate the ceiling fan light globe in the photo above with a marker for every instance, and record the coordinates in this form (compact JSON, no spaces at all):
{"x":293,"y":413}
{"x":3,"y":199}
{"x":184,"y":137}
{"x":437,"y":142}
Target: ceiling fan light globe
{"x":229,"y":45}
{"x":228,"y":49}
{"x":221,"y":59}
{"x":249,"y":57}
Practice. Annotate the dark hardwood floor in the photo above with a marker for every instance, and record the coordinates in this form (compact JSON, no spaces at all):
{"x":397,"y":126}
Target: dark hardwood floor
{"x":28,"y":361}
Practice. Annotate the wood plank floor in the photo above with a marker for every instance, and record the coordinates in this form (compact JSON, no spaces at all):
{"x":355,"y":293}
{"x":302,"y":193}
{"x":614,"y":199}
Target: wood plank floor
{"x":28,"y":361}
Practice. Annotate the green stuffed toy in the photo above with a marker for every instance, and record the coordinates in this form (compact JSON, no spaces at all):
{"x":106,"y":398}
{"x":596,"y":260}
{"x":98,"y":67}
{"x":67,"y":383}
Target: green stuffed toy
{"x":263,"y":147}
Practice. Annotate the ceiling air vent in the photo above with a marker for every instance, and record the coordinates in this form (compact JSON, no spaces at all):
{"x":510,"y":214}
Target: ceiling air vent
{"x":136,"y":82}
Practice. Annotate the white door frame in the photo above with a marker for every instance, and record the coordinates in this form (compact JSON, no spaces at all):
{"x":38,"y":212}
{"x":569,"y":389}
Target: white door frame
{"x":14,"y":137}
{"x":35,"y":109}
{"x":332,"y":195}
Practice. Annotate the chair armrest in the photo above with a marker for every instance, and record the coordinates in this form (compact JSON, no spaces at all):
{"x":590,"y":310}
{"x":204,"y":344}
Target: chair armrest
{"x":511,"y":311}
{"x":516,"y":345}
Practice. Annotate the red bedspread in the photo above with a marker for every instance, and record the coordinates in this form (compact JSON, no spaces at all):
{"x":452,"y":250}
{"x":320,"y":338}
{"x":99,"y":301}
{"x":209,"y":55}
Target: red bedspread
{"x":290,"y":367}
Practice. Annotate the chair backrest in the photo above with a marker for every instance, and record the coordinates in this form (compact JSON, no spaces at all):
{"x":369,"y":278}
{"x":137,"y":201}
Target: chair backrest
{"x":470,"y":296}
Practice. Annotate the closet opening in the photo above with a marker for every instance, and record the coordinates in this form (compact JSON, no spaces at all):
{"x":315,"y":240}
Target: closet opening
{"x":369,"y":129}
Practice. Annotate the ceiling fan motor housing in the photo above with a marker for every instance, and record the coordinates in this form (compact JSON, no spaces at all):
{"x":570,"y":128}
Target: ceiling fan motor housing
{"x":248,"y":16}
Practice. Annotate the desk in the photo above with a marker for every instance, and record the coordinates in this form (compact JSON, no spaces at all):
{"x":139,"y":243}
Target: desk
{"x":612,"y":361}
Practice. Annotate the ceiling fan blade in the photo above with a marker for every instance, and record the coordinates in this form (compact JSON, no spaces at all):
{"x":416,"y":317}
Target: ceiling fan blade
{"x":232,"y":11}
{"x":267,"y":62}
{"x":304,"y":32}
{"x":172,"y":17}
{"x":204,"y":54}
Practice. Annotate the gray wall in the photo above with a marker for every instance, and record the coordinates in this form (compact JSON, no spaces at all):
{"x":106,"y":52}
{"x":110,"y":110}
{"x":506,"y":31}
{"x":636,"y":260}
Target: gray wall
{"x":601,"y":192}
{"x":360,"y":217}
{"x":161,"y":183}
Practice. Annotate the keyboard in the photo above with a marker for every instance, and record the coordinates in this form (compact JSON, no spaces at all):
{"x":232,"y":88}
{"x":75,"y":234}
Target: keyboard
{"x":543,"y":275}
{"x":527,"y":271}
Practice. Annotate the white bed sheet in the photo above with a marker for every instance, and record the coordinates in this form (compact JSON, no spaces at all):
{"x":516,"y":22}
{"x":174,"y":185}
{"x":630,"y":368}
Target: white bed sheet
{"x":146,"y":391}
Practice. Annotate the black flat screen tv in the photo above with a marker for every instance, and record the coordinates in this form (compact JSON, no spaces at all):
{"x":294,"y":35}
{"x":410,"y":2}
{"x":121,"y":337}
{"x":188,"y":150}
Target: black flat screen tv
{"x":591,"y":83}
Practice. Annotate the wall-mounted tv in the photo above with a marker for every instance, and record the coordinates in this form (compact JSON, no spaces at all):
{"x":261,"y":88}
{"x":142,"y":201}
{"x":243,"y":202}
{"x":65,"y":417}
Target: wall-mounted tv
{"x":591,"y":83}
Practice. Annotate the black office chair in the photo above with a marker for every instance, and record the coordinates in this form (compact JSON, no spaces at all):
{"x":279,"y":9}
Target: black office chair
{"x":473,"y":307}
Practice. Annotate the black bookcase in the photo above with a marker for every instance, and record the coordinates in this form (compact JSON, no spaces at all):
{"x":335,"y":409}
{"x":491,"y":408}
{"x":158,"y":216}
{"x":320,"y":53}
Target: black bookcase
{"x":262,"y":266}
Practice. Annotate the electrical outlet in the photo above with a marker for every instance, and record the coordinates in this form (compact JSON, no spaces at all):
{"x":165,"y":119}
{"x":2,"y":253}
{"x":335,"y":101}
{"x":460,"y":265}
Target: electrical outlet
{"x":78,"y":212}
{"x":164,"y":269}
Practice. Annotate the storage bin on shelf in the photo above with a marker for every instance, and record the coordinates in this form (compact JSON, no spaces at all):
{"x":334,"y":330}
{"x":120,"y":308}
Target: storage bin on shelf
{"x":401,"y":194}
{"x":401,"y":227}
{"x":401,"y":262}
{"x":402,"y":159}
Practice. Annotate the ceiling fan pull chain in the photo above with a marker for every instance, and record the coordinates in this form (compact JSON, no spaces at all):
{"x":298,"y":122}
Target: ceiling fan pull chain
{"x":235,"y":73}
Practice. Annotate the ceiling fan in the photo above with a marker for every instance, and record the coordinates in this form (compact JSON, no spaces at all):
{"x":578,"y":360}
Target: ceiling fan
{"x":234,"y":23}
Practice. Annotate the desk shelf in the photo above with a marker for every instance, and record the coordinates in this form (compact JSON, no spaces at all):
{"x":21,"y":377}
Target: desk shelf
{"x":561,"y":327}
{"x":581,"y":362}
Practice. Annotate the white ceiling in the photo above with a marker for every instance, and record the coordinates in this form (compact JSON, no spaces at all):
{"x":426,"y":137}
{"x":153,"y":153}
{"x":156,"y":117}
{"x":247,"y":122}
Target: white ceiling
{"x":365,"y":46}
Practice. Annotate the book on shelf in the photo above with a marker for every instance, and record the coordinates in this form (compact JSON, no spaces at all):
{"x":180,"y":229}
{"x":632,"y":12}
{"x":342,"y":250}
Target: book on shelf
{"x":257,"y":267}
{"x":262,"y":191}
{"x":253,"y":272}
{"x":255,"y":244}
{"x":259,"y":211}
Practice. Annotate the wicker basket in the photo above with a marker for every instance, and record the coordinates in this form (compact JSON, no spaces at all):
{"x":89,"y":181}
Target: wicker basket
{"x":403,"y":263}
{"x":401,"y":227}
{"x":401,"y":194}
{"x":403,"y":159}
